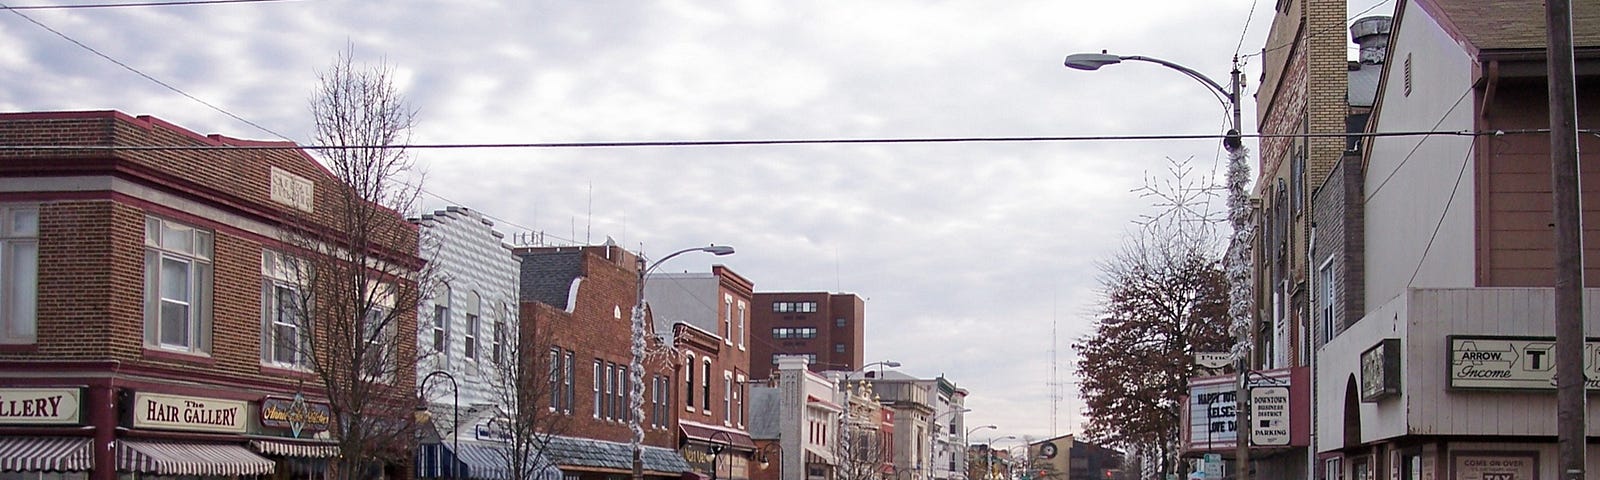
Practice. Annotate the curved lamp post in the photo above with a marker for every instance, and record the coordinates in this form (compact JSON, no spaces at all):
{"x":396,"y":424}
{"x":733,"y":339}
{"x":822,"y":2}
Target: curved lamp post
{"x":1237,"y":261}
{"x":717,"y":448}
{"x":455,"y":407}
{"x":636,"y":366}
{"x":988,"y":458}
{"x":765,"y":453}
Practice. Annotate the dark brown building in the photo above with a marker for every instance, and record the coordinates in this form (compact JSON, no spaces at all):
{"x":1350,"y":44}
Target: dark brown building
{"x":827,"y":328}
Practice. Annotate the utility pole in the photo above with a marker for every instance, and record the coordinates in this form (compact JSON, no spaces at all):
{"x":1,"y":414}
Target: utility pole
{"x":1571,"y":408}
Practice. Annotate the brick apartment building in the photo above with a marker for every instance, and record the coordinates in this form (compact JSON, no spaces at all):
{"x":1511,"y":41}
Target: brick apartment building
{"x":826,"y":328}
{"x":137,"y":302}
{"x":708,"y":314}
{"x":585,"y":295}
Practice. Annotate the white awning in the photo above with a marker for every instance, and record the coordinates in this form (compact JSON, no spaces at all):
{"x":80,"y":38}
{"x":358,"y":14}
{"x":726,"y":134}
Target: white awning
{"x":46,"y":454}
{"x":175,"y":458}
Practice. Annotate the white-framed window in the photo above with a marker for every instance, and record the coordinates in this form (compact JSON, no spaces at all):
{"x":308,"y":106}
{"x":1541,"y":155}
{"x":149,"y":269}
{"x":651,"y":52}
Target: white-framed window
{"x":470,"y":336}
{"x":688,"y":383}
{"x":497,"y":346}
{"x":285,"y":338}
{"x":705,"y":385}
{"x":377,"y":330}
{"x":19,"y":273}
{"x":441,"y":321}
{"x":177,"y":267}
{"x":599,"y":377}
{"x":569,"y":382}
{"x":738,"y":399}
{"x":1326,"y":293}
{"x":555,"y":379}
{"x":727,"y":398}
{"x":727,"y":319}
{"x":742,"y":309}
{"x":611,"y":391}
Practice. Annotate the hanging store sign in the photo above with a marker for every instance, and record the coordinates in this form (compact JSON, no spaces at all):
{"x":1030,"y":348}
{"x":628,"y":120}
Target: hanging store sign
{"x":1520,"y":363}
{"x":1380,"y":370}
{"x":297,"y":415}
{"x":40,"y":406}
{"x":1212,"y":422}
{"x":173,"y":412}
{"x":1213,"y":360}
{"x":1269,"y":416}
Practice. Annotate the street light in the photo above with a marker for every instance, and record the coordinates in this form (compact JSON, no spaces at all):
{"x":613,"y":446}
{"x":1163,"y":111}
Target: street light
{"x":974,"y":429}
{"x":455,"y":407}
{"x":1237,"y":261}
{"x":933,"y":455}
{"x":765,"y":454}
{"x":636,"y":366}
{"x":717,"y":448}
{"x":988,"y":457}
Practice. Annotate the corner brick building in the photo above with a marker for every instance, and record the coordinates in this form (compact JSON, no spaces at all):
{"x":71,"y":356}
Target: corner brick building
{"x":585,"y":295}
{"x":134,"y":301}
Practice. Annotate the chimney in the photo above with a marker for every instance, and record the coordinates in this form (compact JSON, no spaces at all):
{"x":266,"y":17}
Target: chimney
{"x":1372,"y":34}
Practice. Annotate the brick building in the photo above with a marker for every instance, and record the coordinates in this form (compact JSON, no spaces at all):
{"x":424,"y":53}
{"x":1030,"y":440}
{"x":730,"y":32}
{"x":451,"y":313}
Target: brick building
{"x":142,"y":303}
{"x":826,"y":328}
{"x":708,"y":317}
{"x":585,"y":296}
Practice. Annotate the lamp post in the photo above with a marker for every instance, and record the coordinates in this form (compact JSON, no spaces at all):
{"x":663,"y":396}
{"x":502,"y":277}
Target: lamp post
{"x":716,"y":449}
{"x":1237,"y":262}
{"x":988,"y":458}
{"x":933,"y":436}
{"x":764,"y":456}
{"x":636,"y":365}
{"x":455,"y":407}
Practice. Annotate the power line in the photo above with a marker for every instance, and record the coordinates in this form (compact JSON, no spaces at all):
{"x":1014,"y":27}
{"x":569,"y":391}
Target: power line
{"x":149,"y":4}
{"x":1324,"y":31}
{"x":764,"y":142}
{"x":142,"y":74}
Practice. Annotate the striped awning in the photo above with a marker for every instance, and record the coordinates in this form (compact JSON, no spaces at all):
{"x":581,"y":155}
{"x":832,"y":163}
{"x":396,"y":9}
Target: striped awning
{"x":175,"y":458}
{"x":290,"y":449}
{"x":478,"y":462}
{"x":49,"y":454}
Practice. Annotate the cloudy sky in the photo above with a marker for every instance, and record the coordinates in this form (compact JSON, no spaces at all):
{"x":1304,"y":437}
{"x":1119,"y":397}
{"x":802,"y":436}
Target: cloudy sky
{"x":972,"y":256}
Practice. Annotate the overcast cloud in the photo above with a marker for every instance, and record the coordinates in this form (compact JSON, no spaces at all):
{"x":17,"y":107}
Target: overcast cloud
{"x":972,"y":256}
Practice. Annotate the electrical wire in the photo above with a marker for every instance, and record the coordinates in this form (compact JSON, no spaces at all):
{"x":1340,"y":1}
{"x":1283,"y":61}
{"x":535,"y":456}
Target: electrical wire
{"x":1324,"y":31}
{"x":149,"y":4}
{"x":1247,"y":20}
{"x":140,"y":73}
{"x":1414,"y":148}
{"x":759,"y":142}
{"x":1442,"y":214}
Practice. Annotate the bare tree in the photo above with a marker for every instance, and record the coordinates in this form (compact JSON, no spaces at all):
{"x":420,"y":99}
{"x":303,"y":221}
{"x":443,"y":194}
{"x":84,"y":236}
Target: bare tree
{"x":352,"y":271}
{"x":527,"y":384}
{"x":1165,"y":298}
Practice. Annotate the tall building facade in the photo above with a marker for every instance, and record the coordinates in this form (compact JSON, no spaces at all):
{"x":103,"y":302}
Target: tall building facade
{"x":1439,"y":369}
{"x":708,"y":317}
{"x":826,"y":328}
{"x":148,"y":314}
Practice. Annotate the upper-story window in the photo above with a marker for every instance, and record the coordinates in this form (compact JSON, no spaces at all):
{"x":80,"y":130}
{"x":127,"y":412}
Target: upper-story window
{"x":177,"y":275}
{"x":285,"y":338}
{"x":794,"y":332}
{"x":794,"y":307}
{"x":377,"y":330}
{"x":705,"y":385}
{"x":441,"y":320}
{"x":727,"y":398}
{"x":470,"y":336}
{"x":742,"y":308}
{"x":19,"y":273}
{"x":497,"y":347}
{"x":688,"y":383}
{"x":727,"y":319}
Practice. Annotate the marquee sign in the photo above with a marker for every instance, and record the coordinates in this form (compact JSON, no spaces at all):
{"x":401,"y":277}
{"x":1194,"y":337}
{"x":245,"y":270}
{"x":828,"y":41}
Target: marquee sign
{"x":40,"y":406}
{"x":1521,"y":363}
{"x":173,"y":412}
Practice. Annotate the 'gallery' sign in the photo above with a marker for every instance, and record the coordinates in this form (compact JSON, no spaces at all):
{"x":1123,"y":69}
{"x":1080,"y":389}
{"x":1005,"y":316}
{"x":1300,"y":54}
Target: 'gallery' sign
{"x":172,"y":412}
{"x":1526,"y":363}
{"x":40,"y":406}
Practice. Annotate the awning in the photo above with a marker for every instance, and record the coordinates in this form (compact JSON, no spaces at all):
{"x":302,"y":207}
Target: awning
{"x":715,"y":435}
{"x":599,"y":455}
{"x":484,"y":462}
{"x":175,"y":458}
{"x":292,"y":449}
{"x":49,"y":454}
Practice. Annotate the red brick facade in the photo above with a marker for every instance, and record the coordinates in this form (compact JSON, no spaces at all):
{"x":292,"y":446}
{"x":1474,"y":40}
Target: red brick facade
{"x":92,"y":210}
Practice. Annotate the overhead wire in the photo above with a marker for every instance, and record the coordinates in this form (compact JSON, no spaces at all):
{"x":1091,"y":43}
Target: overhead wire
{"x":143,"y":4}
{"x":1418,"y":146}
{"x":140,"y":73}
{"x":1324,"y":31}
